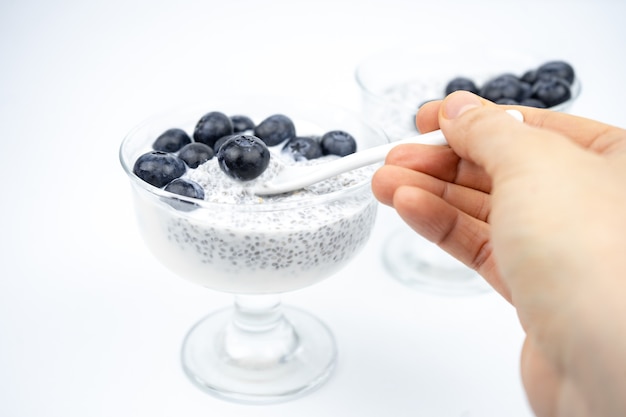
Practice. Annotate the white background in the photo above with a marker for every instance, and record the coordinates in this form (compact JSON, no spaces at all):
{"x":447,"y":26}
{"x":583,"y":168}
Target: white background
{"x":91,"y":324}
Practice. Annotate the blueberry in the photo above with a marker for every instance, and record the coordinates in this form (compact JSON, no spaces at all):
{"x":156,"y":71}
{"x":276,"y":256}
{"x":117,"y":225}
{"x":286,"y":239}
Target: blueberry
{"x":185,"y":188}
{"x":243,"y":157}
{"x":275,"y":129}
{"x":526,"y":90}
{"x":461,"y":83}
{"x":338,"y":142}
{"x":551,"y":90}
{"x":211,"y":127}
{"x":302,"y":148}
{"x":196,"y":153}
{"x":533,"y":102}
{"x":530,"y":76}
{"x":508,"y":101}
{"x":159,"y":168}
{"x":218,"y":143}
{"x":241,"y":123}
{"x":503,"y":86}
{"x":171,"y":140}
{"x":559,"y":69}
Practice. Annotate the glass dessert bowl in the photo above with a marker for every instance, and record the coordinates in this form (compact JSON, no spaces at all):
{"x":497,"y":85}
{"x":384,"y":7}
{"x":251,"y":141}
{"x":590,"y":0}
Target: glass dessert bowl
{"x":394,"y":84}
{"x":256,"y":248}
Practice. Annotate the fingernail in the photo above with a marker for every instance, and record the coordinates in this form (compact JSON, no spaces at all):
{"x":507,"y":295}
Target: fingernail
{"x":458,"y":103}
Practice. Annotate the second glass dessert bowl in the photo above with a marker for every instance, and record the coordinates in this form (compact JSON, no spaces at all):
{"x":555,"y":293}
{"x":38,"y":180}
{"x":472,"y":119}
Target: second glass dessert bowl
{"x":394,"y":83}
{"x":257,"y":351}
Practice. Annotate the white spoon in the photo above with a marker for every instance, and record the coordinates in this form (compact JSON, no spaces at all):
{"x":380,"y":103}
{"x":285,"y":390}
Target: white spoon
{"x":295,"y":177}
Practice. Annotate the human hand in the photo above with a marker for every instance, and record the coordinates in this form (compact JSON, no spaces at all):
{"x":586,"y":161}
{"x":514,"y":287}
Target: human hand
{"x":539,"y":210}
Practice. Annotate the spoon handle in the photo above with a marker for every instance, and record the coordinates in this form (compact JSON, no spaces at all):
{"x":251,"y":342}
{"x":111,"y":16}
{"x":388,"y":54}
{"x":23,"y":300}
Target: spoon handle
{"x":377,"y":153}
{"x":295,"y":177}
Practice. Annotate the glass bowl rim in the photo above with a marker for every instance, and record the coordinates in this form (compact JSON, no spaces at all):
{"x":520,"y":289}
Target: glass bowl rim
{"x":263,"y":205}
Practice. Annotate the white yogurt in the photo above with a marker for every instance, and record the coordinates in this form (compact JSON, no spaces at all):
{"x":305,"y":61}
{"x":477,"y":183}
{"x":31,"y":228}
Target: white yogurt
{"x":249,"y":244}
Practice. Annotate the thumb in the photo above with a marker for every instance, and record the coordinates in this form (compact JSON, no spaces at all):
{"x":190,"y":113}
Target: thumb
{"x":482,"y":132}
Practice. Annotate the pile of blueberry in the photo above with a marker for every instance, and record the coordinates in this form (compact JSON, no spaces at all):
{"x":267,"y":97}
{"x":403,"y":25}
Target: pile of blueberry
{"x":545,"y":86}
{"x":240,"y":146}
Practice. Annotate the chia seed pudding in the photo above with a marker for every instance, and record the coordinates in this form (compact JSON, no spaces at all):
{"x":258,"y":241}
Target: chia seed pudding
{"x":235,"y":241}
{"x":395,"y":107}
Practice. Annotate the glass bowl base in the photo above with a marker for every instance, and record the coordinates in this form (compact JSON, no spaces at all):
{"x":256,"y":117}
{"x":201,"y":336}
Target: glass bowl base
{"x":265,"y":371}
{"x":420,"y":264}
